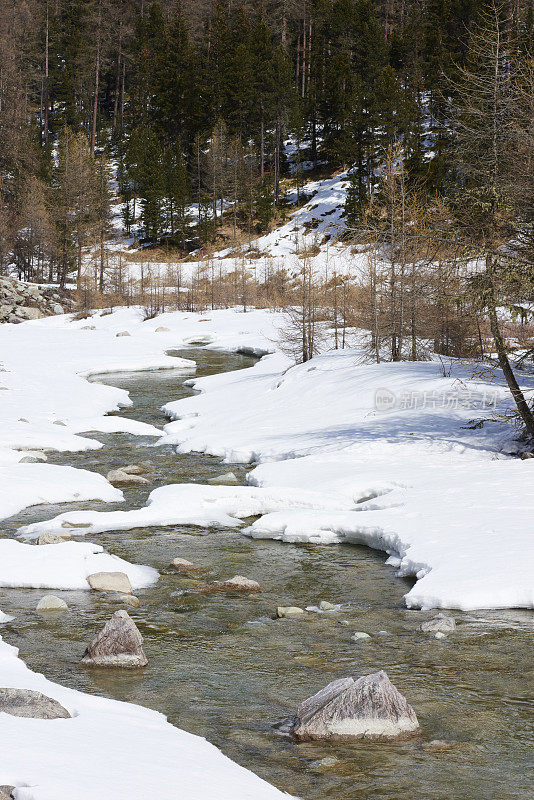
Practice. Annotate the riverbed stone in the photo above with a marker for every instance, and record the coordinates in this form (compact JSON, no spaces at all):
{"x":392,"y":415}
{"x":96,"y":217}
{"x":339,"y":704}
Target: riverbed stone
{"x":29,"y":703}
{"x":51,"y":603}
{"x":236,"y":584}
{"x":289,"y":611}
{"x":110,"y":582}
{"x":119,"y":644}
{"x":183,"y":565}
{"x":360,"y":636}
{"x":367,"y":708}
{"x":324,"y":605}
{"x":118,"y":477}
{"x":228,"y":479}
{"x":441,"y":623}
{"x":120,"y":599}
{"x":134,"y":469}
{"x":33,"y":456}
{"x":53,"y":538}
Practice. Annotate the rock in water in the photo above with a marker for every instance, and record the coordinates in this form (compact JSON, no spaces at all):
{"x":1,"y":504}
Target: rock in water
{"x":119,"y":477}
{"x":236,"y":584}
{"x":368,"y":708}
{"x":110,"y":582}
{"x":29,"y":703}
{"x":119,"y":644}
{"x":51,"y":603}
{"x":183,"y":565}
{"x":441,"y":623}
{"x":289,"y":611}
{"x":228,"y":479}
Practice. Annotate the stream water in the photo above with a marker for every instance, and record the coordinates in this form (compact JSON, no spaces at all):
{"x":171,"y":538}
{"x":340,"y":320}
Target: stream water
{"x":221,"y":667}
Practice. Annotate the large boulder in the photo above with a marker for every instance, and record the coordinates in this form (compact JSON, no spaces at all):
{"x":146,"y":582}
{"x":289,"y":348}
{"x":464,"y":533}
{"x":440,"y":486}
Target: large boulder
{"x":119,"y":644}
{"x":29,"y":703}
{"x":368,"y":708}
{"x":110,"y":582}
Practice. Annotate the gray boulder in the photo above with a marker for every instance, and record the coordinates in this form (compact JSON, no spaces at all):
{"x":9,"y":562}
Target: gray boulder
{"x":119,"y":644}
{"x":441,"y":623}
{"x":29,"y":703}
{"x":368,"y":708}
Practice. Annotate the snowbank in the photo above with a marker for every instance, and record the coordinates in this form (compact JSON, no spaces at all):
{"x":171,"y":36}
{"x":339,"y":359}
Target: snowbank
{"x":110,"y":749}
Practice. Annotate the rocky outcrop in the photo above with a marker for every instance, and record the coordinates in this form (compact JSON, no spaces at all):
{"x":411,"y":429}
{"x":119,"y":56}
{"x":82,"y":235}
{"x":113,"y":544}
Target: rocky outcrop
{"x":21,"y":301}
{"x":29,"y":703}
{"x":236,"y":584}
{"x":368,"y":708}
{"x":119,"y":644}
{"x":110,"y":582}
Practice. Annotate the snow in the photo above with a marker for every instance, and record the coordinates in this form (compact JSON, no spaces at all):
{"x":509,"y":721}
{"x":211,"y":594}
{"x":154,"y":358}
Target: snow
{"x":110,"y":749}
{"x":418,"y":480}
{"x":63,"y":566}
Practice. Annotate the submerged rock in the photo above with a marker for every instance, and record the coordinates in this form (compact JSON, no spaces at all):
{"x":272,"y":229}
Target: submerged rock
{"x":29,"y":703}
{"x":236,"y":584}
{"x":123,"y":599}
{"x":228,"y":479}
{"x":370,"y":707}
{"x":119,"y":477}
{"x":183,"y":565}
{"x":441,"y":623}
{"x":119,"y":644}
{"x":110,"y":582}
{"x":289,"y":611}
{"x":51,"y":603}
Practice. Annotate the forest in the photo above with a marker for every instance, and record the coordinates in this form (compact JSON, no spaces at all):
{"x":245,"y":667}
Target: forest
{"x":189,"y":106}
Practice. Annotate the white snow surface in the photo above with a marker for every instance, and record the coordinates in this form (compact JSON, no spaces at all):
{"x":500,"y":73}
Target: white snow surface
{"x":110,"y":749}
{"x":419,"y":482}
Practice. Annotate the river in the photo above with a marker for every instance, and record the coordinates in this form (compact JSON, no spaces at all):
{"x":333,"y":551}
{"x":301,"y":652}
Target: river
{"x":223,"y":668}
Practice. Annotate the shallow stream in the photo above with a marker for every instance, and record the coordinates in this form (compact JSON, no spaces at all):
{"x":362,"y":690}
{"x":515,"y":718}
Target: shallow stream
{"x":221,"y":667}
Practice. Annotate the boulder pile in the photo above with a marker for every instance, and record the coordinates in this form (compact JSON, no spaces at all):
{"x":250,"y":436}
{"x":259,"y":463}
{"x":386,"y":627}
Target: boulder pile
{"x":21,"y":301}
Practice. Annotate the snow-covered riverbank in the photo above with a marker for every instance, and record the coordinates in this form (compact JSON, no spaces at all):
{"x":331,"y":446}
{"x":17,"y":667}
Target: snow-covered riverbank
{"x":390,"y":455}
